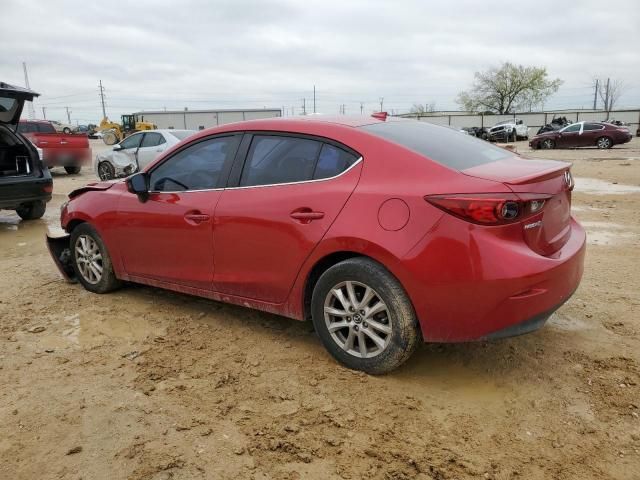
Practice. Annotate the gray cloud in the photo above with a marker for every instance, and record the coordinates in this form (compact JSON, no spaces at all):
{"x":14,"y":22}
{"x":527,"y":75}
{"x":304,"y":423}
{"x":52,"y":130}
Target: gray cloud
{"x":248,"y":53}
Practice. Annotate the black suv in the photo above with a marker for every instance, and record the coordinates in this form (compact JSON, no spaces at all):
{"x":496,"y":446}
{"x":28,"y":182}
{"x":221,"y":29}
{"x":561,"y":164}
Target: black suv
{"x":25,"y":182}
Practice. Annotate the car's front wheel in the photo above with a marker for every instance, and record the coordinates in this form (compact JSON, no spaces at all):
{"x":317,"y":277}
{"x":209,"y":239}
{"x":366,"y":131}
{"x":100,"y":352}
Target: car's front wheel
{"x":106,"y":171}
{"x":32,"y":211}
{"x":364,"y":317}
{"x":91,"y":261}
{"x":604,"y":143}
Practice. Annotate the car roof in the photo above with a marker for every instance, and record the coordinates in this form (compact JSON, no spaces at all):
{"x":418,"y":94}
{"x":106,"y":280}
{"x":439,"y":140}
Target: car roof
{"x":25,"y":120}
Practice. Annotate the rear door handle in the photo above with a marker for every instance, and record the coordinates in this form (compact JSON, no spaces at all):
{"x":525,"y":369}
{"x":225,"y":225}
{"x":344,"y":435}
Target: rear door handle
{"x":306,"y":215}
{"x":196,"y":218}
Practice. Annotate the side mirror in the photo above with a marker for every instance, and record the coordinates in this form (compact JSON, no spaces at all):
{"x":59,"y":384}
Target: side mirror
{"x":117,"y":147}
{"x":139,"y":184}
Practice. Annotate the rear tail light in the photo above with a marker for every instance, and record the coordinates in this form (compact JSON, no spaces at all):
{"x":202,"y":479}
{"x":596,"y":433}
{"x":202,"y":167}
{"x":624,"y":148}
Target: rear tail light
{"x":490,"y":208}
{"x":48,"y":188}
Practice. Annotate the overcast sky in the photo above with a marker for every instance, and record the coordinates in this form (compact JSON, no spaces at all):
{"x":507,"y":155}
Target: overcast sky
{"x":248,"y":53}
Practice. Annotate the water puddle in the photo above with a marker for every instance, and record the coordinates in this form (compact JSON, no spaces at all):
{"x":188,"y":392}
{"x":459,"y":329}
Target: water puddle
{"x":594,"y":186}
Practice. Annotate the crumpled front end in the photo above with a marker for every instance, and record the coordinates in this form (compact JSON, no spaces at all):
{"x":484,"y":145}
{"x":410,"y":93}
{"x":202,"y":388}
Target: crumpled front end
{"x":60,"y":250}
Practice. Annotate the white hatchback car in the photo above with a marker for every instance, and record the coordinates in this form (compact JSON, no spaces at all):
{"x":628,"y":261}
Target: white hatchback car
{"x":135,"y":152}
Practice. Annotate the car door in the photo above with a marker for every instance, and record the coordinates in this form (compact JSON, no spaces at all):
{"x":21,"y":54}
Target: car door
{"x":280,"y":202}
{"x":169,"y":236}
{"x":152,"y":145}
{"x":590,"y":134}
{"x":570,"y":136}
{"x":125,"y":152}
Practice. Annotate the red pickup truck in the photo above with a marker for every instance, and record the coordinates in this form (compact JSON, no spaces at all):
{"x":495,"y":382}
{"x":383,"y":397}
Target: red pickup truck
{"x":70,"y":151}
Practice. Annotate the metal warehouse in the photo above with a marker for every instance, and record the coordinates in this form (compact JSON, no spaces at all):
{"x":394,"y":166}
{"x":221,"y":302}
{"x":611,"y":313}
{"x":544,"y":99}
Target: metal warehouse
{"x":201,"y":119}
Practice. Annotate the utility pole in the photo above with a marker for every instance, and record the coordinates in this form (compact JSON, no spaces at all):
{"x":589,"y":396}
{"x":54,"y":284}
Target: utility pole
{"x":68,"y":115}
{"x":595,"y":94}
{"x":606,"y":98}
{"x":314,"y":99}
{"x":304,"y":106}
{"x":284,"y":112}
{"x":32,"y":113}
{"x":104,"y":111}
{"x":361,"y":108}
{"x":381,"y":104}
{"x":44,"y":113}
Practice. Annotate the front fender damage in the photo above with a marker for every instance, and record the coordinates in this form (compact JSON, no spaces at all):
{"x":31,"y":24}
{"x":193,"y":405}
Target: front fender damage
{"x":60,"y":250}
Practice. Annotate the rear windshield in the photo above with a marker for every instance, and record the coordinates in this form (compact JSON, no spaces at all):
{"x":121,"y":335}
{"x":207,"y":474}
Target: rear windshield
{"x":182,"y":134}
{"x":444,"y":145}
{"x":8,"y":107}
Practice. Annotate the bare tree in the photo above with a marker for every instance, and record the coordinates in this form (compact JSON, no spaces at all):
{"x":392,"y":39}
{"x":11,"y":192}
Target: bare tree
{"x":610,"y":92}
{"x":508,"y":87}
{"x":426,"y":108}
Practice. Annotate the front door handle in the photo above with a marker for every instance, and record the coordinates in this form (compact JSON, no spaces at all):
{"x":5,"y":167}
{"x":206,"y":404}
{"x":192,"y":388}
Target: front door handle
{"x":196,"y":218}
{"x":306,"y":215}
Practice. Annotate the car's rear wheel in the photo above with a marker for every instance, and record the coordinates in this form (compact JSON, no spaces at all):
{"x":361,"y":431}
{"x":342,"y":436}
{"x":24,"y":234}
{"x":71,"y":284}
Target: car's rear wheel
{"x":32,"y":211}
{"x":66,"y":130}
{"x":548,"y":144}
{"x":91,"y":261}
{"x":604,"y":143}
{"x":73,"y":170}
{"x":364,"y":317}
{"x":106,"y":171}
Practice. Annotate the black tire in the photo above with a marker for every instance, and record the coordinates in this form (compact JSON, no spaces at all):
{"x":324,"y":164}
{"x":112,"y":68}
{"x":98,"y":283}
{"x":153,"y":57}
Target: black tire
{"x":32,"y":211}
{"x":106,"y":171}
{"x":66,"y":130}
{"x":399,"y":317}
{"x":107,"y":280}
{"x":604,"y":143}
{"x":73,"y":170}
{"x":547,"y":144}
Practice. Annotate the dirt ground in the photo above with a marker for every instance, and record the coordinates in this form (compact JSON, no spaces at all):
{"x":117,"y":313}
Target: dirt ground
{"x":146,"y":384}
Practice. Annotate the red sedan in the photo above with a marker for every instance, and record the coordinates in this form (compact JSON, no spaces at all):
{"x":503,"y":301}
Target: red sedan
{"x":383,"y":232}
{"x":582,"y":134}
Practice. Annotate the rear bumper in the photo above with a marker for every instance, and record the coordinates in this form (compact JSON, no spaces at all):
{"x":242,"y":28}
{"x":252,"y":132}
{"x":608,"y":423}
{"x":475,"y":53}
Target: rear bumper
{"x":67,"y":158}
{"x":24,"y":190}
{"x":475,"y":286}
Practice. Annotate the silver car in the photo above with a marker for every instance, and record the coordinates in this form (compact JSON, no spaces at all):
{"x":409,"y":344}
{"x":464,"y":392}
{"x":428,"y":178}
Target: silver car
{"x":135,"y":152}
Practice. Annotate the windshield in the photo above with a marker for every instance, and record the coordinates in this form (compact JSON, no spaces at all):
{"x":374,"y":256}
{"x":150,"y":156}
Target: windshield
{"x":441,"y":144}
{"x":182,"y":134}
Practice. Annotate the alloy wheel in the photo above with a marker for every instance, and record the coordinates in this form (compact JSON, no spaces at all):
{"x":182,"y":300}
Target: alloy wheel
{"x":89,"y":259}
{"x":104,"y":172}
{"x":604,"y":142}
{"x":547,"y":144}
{"x":357,"y":319}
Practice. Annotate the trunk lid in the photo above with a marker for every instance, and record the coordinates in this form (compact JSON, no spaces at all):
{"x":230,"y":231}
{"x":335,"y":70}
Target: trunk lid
{"x":12,"y":100}
{"x":547,"y":230}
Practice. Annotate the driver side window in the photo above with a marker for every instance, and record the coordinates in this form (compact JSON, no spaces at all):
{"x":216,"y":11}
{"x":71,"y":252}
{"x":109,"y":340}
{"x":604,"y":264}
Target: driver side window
{"x":197,"y":167}
{"x":131,"y":142}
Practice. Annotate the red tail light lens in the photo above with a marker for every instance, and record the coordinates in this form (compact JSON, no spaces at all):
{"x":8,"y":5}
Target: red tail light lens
{"x":489,"y":208}
{"x":48,"y":188}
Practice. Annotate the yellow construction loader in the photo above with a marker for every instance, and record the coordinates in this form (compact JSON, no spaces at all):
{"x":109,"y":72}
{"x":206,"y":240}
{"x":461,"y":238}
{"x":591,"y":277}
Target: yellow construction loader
{"x":113,"y":133}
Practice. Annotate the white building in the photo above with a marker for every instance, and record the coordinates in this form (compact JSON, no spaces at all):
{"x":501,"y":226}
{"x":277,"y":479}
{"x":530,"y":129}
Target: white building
{"x":201,"y":119}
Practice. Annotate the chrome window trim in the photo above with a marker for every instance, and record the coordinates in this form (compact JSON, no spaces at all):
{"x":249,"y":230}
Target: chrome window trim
{"x":360,"y":159}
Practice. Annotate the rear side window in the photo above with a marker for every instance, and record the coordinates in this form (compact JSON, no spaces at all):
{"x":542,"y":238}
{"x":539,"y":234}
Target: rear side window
{"x":152,"y":140}
{"x":332,"y":161}
{"x":593,"y":126}
{"x":440,"y":144}
{"x":26,"y":127}
{"x":197,"y":167}
{"x":276,"y":159}
{"x":45,"y":128}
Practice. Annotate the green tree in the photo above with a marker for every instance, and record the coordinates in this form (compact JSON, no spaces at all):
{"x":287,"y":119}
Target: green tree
{"x":507,"y":88}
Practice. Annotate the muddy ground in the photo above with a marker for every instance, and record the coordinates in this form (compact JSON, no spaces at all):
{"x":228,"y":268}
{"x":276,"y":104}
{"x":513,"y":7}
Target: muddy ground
{"x":146,"y":384}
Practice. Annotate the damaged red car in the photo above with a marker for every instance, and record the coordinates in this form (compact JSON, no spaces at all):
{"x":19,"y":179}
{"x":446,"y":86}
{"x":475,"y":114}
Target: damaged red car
{"x":383,"y":232}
